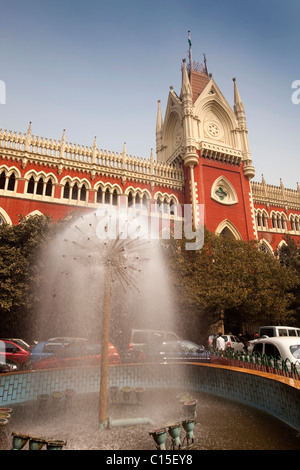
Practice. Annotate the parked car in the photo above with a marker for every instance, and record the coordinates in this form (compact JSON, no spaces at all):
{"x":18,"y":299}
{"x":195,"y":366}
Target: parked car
{"x":8,"y":366}
{"x":234,"y":343}
{"x":19,"y":341}
{"x":140,"y":338}
{"x":45,"y":349}
{"x":174,"y":351}
{"x":11,"y":350}
{"x":231,"y":342}
{"x":280,"y":348}
{"x":78,"y":354}
{"x":273,"y":331}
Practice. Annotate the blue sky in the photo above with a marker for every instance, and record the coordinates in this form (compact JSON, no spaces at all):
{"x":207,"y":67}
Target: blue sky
{"x":98,"y":68}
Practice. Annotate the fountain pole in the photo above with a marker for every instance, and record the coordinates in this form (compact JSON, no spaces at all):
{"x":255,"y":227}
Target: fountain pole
{"x":104,"y":349}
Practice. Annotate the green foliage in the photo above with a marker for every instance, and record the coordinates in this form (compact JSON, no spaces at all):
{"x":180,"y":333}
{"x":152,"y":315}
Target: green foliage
{"x":231,"y":278}
{"x":289,"y":256}
{"x":20,"y":270}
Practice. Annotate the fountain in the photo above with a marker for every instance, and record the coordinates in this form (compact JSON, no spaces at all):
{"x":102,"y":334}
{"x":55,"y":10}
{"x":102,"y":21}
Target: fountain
{"x":174,"y":431}
{"x":108,"y":266}
{"x":189,"y":425}
{"x":19,"y":441}
{"x":159,"y":436}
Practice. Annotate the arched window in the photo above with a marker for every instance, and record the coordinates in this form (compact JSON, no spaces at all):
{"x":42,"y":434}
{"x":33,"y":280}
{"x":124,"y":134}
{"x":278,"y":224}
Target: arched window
{"x":83,"y":193}
{"x":130,"y":199}
{"x":159,"y":204}
{"x":107,"y":196}
{"x":99,"y":195}
{"x":11,"y":182}
{"x":259,"y":219}
{"x":115,"y":198}
{"x":30,"y":187}
{"x":145,"y":200}
{"x":40,"y":186}
{"x":48,"y":191}
{"x":283,"y":222}
{"x":227,"y":233}
{"x":278,"y":221}
{"x":75,"y":192}
{"x":264,"y":220}
{"x":172,"y":207}
{"x":67,"y":190}
{"x":2,"y":180}
{"x":165,"y":206}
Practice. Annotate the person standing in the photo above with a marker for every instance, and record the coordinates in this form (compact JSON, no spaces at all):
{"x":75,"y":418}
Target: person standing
{"x":220,"y":343}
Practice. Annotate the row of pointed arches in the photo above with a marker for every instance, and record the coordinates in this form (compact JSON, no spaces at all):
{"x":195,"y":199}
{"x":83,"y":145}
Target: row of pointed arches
{"x":76,"y":190}
{"x":277,"y":221}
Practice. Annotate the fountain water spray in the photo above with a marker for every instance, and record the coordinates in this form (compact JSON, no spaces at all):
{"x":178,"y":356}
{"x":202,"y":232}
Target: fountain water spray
{"x":105,"y":261}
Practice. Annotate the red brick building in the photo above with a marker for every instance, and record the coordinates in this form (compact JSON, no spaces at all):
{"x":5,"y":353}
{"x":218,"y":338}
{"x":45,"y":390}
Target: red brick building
{"x":202,"y":158}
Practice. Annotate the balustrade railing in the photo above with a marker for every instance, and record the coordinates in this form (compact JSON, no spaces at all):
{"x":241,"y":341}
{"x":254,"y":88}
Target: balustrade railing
{"x":39,"y":148}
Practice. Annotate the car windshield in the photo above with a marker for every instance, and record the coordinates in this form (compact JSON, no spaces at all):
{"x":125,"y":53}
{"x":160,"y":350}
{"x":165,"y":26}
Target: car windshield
{"x":295,"y":350}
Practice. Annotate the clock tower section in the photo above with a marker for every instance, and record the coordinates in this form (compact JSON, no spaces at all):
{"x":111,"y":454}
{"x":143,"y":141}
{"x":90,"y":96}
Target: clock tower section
{"x":210,"y":139}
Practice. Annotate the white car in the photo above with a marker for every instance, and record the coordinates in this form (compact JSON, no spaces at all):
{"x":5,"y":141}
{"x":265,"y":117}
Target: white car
{"x":279,"y":347}
{"x":273,"y":331}
{"x":231,"y":342}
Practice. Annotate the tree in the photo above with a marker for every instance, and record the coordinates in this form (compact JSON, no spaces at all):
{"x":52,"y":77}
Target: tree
{"x":230,"y":280}
{"x":19,"y":270}
{"x":289,"y":256}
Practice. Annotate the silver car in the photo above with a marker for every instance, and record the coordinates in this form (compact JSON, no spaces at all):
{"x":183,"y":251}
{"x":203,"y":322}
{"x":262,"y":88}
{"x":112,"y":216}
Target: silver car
{"x":234,"y":343}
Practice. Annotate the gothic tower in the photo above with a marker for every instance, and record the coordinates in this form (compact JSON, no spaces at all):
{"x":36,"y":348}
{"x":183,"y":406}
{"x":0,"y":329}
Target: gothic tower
{"x":210,"y":139}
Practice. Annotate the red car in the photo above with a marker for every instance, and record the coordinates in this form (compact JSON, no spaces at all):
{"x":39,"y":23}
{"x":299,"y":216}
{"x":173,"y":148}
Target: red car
{"x":15,"y":351}
{"x":78,"y":354}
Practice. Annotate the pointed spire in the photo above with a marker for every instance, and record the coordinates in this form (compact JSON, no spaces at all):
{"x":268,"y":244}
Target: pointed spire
{"x":95,"y":143}
{"x":185,"y":86}
{"x":151,"y":162}
{"x":94,"y":155}
{"x":238,"y":105}
{"x":29,"y":129}
{"x":159,"y":119}
{"x":124,"y":154}
{"x":62,"y":145}
{"x":28,"y":137}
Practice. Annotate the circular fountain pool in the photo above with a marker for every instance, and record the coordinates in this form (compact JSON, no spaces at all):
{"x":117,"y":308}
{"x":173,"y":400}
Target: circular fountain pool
{"x":220,"y":424}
